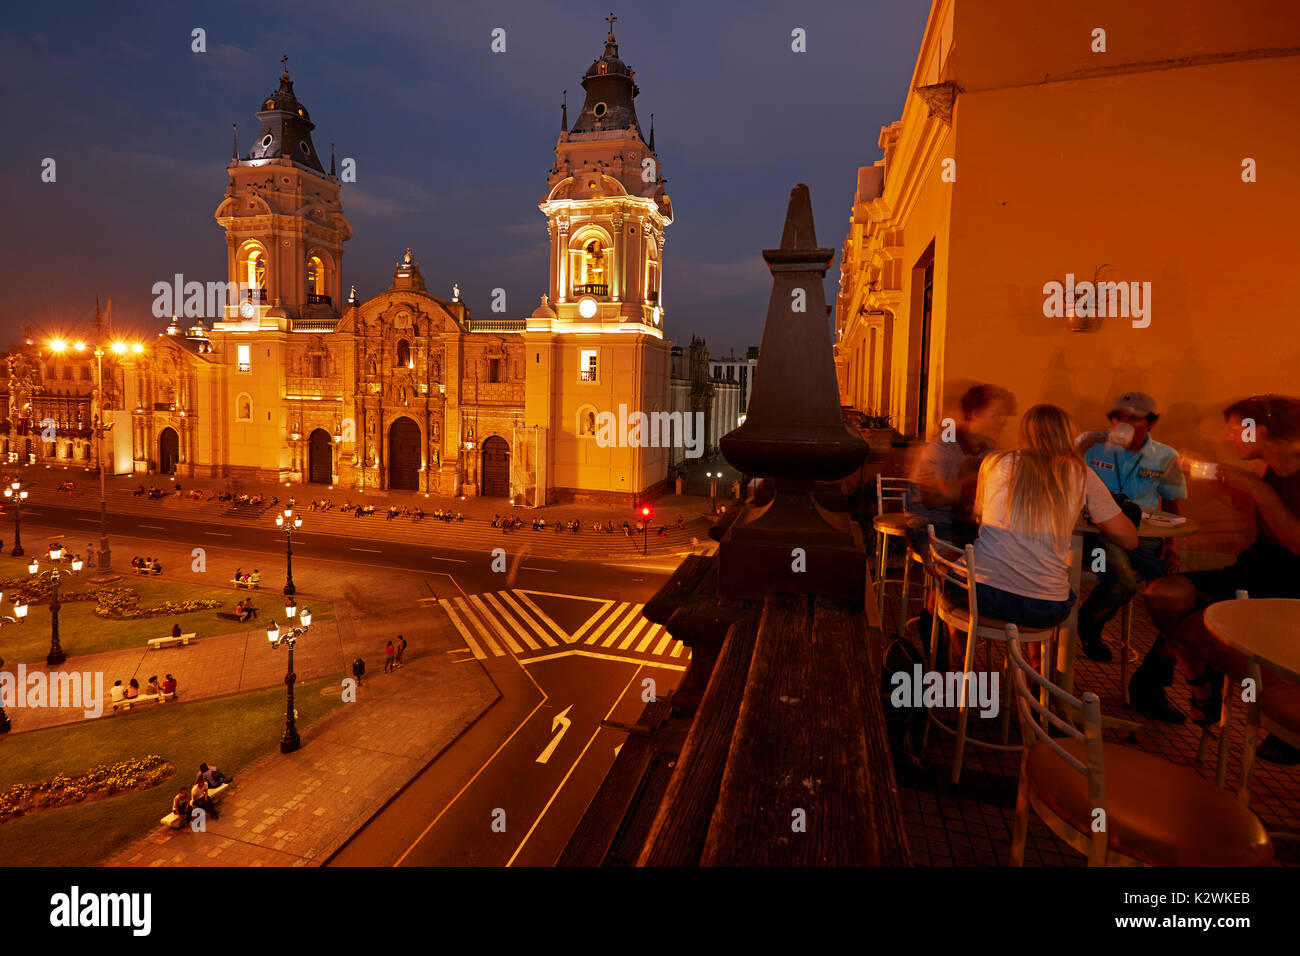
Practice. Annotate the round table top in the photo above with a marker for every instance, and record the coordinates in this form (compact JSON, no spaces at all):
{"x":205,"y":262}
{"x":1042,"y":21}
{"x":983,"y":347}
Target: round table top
{"x":1264,"y":629}
{"x":1151,"y":529}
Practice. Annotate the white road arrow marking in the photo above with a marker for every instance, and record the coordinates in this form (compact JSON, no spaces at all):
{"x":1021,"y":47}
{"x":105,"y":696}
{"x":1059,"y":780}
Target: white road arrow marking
{"x":560,"y":723}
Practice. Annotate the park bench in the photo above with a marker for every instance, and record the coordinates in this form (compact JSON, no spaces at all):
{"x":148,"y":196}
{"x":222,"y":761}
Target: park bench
{"x":232,"y":616}
{"x":139,"y":570}
{"x":251,"y":585}
{"x":173,"y":821}
{"x":158,"y":643}
{"x":159,"y":697}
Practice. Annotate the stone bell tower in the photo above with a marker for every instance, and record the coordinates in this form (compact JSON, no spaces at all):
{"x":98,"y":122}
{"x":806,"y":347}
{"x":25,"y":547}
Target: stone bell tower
{"x":598,"y":345}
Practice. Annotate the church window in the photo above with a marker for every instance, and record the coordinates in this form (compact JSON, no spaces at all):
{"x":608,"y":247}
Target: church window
{"x":252,"y":271}
{"x":316,"y":363}
{"x":602,"y":70}
{"x":245,"y":359}
{"x":266,"y":141}
{"x":600,"y":108}
{"x":302,"y":145}
{"x":315,"y":275}
{"x":404,"y":354}
{"x":587,"y":365}
{"x":494,"y":370}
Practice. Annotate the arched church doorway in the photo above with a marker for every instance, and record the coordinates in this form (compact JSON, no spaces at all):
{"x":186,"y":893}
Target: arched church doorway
{"x":496,"y":468}
{"x":320,"y":458}
{"x":404,"y":455}
{"x":169,"y":451}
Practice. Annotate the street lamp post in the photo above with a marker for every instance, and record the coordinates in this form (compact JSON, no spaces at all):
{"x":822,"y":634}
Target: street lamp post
{"x":17,"y":494}
{"x":290,"y":741}
{"x":713,"y":491}
{"x":289,"y":522}
{"x":18,"y":617}
{"x":56,"y":655}
{"x":645,"y":530}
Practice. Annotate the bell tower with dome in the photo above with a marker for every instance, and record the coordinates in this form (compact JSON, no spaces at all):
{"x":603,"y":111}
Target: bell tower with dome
{"x":598,"y":344}
{"x":284,"y":223}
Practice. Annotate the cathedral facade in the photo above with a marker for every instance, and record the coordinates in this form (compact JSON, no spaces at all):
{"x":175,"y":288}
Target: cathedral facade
{"x":405,"y":389}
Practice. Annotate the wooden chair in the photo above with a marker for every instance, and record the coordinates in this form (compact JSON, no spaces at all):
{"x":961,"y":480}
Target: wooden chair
{"x":890,"y":522}
{"x":951,"y":565}
{"x":1117,"y":805}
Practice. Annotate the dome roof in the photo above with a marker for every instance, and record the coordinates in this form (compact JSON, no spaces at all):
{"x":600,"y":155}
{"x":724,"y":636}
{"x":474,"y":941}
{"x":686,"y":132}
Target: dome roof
{"x":610,"y":92}
{"x":286,"y":129}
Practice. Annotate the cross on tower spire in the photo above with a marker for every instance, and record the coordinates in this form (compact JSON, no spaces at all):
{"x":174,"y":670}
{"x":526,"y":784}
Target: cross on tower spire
{"x":284,"y":62}
{"x":610,"y":20}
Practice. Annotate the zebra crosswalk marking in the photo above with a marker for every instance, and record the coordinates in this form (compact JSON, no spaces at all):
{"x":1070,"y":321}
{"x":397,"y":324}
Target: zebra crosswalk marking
{"x":523,"y":596}
{"x":495,"y":624}
{"x":649,"y":636}
{"x":577,"y":635}
{"x":503,"y":615}
{"x":631,"y":616}
{"x":464,"y":631}
{"x":502,"y":622}
{"x":610,"y":619}
{"x":631,"y":635}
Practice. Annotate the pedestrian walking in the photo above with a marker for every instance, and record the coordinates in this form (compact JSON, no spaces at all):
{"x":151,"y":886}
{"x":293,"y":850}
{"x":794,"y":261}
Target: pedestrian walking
{"x":390,"y":656}
{"x":401,"y":649}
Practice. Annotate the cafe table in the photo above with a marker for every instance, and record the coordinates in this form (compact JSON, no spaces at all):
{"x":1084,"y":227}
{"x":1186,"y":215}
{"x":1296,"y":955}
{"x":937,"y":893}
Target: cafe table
{"x":1266,"y":631}
{"x":1156,"y":524}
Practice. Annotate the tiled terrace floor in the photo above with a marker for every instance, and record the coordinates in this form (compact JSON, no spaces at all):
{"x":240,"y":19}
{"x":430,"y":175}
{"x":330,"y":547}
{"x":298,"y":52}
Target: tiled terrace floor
{"x":970,"y":824}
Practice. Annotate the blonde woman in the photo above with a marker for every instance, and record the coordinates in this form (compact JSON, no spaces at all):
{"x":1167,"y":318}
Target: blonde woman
{"x":1028,"y":501}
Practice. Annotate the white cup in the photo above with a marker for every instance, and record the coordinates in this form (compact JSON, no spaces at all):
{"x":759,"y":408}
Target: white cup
{"x":1204,"y":470}
{"x":1121,"y":433}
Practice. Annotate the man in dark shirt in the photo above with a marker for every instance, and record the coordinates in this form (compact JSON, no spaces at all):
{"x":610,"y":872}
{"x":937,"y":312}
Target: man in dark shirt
{"x":1265,"y":428}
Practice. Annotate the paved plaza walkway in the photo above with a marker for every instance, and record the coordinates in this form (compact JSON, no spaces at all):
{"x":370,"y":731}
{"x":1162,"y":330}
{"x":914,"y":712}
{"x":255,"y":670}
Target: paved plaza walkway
{"x":297,"y":809}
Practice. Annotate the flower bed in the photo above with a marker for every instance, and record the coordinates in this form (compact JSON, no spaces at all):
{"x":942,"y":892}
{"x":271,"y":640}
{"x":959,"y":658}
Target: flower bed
{"x":117,"y":604}
{"x":94,"y":784}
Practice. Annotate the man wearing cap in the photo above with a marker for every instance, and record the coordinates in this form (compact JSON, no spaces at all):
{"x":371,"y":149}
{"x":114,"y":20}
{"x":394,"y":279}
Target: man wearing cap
{"x":1147,"y":473}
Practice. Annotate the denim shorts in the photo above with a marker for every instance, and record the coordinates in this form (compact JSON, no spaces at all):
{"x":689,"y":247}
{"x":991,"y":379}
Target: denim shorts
{"x":1013,"y":608}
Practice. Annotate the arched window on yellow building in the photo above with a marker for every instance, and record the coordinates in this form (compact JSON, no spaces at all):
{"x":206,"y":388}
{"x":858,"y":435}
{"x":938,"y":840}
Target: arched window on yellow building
{"x":315,"y":276}
{"x":591,"y":264}
{"x":252,"y":272}
{"x":652,"y":276}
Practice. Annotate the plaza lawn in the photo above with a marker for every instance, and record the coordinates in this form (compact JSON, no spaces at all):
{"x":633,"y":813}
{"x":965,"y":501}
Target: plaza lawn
{"x":82,"y":631}
{"x":230,"y":732}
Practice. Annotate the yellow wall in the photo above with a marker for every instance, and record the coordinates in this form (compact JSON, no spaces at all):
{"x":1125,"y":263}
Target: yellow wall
{"x":1128,"y":159}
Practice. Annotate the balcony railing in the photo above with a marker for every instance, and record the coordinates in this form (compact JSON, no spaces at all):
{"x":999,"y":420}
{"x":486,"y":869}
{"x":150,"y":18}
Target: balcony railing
{"x":591,"y":289}
{"x":497,"y":325}
{"x":255,"y":295}
{"x":587,"y":375}
{"x":318,"y":298}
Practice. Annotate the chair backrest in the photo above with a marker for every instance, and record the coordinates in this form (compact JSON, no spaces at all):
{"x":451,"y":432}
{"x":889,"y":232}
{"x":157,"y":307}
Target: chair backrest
{"x":891,"y":492}
{"x":1035,"y":695}
{"x":949,"y":564}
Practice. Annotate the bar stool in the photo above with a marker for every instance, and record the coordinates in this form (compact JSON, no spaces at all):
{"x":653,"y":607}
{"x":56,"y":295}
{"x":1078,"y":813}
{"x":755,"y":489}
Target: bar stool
{"x":949,"y":565}
{"x":890,"y":522}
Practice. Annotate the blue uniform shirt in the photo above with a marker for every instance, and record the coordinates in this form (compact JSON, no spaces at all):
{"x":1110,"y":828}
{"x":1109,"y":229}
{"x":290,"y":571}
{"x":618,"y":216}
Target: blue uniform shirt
{"x":1145,"y":476}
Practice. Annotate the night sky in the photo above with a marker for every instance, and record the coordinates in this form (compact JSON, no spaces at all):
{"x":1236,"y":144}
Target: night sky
{"x":452,"y":142}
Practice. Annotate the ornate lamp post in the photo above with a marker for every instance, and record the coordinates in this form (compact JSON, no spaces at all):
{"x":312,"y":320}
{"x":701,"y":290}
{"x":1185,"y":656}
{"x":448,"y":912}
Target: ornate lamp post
{"x":56,"y":655}
{"x":645,"y":529}
{"x":290,"y":741}
{"x":713,"y":490}
{"x":17,"y":494}
{"x":18,"y":617}
{"x":289,"y":522}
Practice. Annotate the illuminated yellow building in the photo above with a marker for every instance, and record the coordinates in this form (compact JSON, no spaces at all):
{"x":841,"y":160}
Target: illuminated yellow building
{"x":1109,"y":143}
{"x":406,"y":390}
